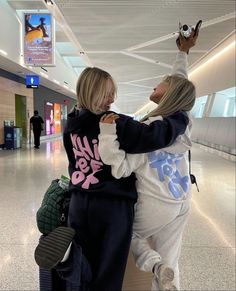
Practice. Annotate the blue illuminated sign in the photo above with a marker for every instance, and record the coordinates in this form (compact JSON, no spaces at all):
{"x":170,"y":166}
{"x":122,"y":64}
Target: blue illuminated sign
{"x":32,"y":81}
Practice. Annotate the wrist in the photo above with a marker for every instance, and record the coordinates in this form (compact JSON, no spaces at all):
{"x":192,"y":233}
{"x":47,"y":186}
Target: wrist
{"x":184,"y":50}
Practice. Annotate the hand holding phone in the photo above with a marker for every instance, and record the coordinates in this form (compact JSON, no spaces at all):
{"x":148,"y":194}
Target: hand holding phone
{"x":184,"y":42}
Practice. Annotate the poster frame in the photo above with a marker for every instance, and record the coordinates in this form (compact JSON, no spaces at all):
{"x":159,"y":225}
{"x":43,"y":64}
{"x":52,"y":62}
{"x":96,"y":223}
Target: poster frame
{"x":39,"y":64}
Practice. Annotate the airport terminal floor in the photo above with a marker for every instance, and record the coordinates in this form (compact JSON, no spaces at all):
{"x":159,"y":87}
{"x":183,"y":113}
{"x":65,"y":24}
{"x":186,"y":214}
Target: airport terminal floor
{"x":208,"y":252}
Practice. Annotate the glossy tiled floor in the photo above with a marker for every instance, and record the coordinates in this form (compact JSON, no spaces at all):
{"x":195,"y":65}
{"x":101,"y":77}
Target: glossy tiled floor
{"x":208,"y":254}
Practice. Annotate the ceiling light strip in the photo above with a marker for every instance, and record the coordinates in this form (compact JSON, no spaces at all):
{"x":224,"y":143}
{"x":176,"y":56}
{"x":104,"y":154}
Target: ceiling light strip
{"x":56,"y":82}
{"x":44,"y":75}
{"x":2,"y":52}
{"x":146,"y":59}
{"x":214,"y":57}
{"x":136,"y":93}
{"x":168,"y":51}
{"x":71,"y":54}
{"x":137,"y":85}
{"x":146,"y":79}
{"x":171,"y":35}
{"x":151,"y":42}
{"x":212,"y":49}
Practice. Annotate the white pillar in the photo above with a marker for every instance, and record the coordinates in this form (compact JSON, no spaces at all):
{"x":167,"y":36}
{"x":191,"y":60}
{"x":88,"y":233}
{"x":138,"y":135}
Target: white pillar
{"x":209,"y":105}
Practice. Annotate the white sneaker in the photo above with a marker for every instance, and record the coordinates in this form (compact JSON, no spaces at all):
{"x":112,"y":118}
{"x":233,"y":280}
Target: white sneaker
{"x":165,"y":276}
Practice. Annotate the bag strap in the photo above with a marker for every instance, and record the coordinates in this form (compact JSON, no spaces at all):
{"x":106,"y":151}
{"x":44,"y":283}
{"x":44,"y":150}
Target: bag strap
{"x":192,"y":177}
{"x":189,"y":159}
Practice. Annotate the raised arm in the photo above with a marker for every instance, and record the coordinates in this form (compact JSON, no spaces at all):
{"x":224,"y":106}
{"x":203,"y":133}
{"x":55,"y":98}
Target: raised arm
{"x":180,"y":65}
{"x":135,"y":137}
{"x":181,"y":62}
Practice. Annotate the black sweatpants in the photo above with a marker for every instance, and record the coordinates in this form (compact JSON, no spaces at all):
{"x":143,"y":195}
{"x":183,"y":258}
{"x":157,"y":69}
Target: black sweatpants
{"x":37,"y":134}
{"x":103,"y":230}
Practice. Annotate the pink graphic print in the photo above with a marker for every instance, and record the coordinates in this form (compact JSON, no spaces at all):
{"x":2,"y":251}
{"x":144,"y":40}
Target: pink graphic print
{"x":87,"y":161}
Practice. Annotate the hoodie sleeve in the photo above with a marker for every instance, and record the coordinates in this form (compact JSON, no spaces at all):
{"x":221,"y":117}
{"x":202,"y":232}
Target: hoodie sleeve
{"x":69,"y":149}
{"x":180,"y":65}
{"x":122,"y":164}
{"x":183,"y":142}
{"x":135,"y":137}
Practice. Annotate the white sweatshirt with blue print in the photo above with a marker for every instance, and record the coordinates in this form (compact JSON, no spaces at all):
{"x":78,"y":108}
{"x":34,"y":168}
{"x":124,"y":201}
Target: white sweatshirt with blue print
{"x":162,"y":174}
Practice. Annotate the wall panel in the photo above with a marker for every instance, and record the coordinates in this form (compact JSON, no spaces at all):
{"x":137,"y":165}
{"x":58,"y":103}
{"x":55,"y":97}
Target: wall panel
{"x":8,"y":89}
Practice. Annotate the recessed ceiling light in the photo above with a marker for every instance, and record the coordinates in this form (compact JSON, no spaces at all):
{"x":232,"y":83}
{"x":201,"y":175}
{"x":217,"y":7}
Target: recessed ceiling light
{"x":57,"y":82}
{"x":3,"y":52}
{"x":44,"y":75}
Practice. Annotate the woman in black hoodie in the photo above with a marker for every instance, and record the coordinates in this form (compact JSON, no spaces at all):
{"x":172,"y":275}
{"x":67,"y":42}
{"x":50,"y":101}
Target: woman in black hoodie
{"x":101,"y":208}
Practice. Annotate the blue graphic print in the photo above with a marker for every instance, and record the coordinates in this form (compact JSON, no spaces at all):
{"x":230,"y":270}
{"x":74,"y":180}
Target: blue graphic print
{"x":167,"y":165}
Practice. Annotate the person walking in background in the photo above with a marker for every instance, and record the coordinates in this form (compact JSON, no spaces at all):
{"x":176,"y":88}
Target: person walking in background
{"x":36,"y":122}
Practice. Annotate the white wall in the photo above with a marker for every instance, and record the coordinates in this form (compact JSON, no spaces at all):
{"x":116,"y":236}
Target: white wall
{"x":9,"y":33}
{"x":217,"y":74}
{"x":215,"y":132}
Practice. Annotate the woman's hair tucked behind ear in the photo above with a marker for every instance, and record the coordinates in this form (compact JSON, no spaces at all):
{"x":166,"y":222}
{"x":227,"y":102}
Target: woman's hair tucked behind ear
{"x":91,"y":89}
{"x":180,"y":96}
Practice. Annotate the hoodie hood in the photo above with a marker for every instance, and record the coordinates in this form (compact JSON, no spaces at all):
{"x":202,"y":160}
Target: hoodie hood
{"x":80,"y":120}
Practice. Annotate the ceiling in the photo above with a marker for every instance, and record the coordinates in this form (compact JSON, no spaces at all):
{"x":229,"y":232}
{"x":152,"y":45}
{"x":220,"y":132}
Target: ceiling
{"x":133,"y":40}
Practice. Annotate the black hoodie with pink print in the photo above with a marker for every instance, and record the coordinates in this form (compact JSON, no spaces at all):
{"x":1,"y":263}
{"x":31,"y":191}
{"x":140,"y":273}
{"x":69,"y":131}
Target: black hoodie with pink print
{"x":89,"y":174}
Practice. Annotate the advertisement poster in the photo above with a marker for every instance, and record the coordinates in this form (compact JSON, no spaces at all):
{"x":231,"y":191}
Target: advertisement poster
{"x":57,"y":118}
{"x":49,"y":118}
{"x":52,"y":118}
{"x":38,"y":39}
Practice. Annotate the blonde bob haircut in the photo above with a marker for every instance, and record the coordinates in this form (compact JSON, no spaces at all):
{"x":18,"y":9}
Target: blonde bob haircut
{"x":91,"y":89}
{"x":180,"y":96}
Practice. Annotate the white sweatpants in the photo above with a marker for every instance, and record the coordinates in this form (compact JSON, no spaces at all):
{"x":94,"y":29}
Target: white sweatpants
{"x":158,"y":237}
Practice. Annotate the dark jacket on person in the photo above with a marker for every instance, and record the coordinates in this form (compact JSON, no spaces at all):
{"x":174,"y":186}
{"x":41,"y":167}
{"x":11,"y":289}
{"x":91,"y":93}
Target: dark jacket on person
{"x":36,"y":122}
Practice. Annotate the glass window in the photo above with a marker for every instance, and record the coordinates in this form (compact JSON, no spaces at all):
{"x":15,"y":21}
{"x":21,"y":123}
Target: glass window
{"x":229,"y":110}
{"x":224,"y":103}
{"x":199,"y":107}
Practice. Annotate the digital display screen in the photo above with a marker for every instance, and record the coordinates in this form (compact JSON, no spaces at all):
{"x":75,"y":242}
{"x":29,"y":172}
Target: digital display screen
{"x":38,"y":33}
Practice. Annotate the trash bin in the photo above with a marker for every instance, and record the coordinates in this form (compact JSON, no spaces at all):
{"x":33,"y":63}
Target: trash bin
{"x":12,"y":136}
{"x":18,"y":136}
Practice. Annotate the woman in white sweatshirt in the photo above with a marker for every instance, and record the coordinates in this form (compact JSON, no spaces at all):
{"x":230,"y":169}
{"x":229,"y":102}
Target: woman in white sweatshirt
{"x":163,"y":181}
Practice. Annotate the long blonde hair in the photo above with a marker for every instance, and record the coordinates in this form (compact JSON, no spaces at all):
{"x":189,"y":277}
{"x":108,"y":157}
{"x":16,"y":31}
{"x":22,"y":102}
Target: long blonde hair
{"x":180,"y":95}
{"x":91,"y":89}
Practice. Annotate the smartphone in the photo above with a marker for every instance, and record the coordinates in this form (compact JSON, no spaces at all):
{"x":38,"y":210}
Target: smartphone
{"x":197,"y":27}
